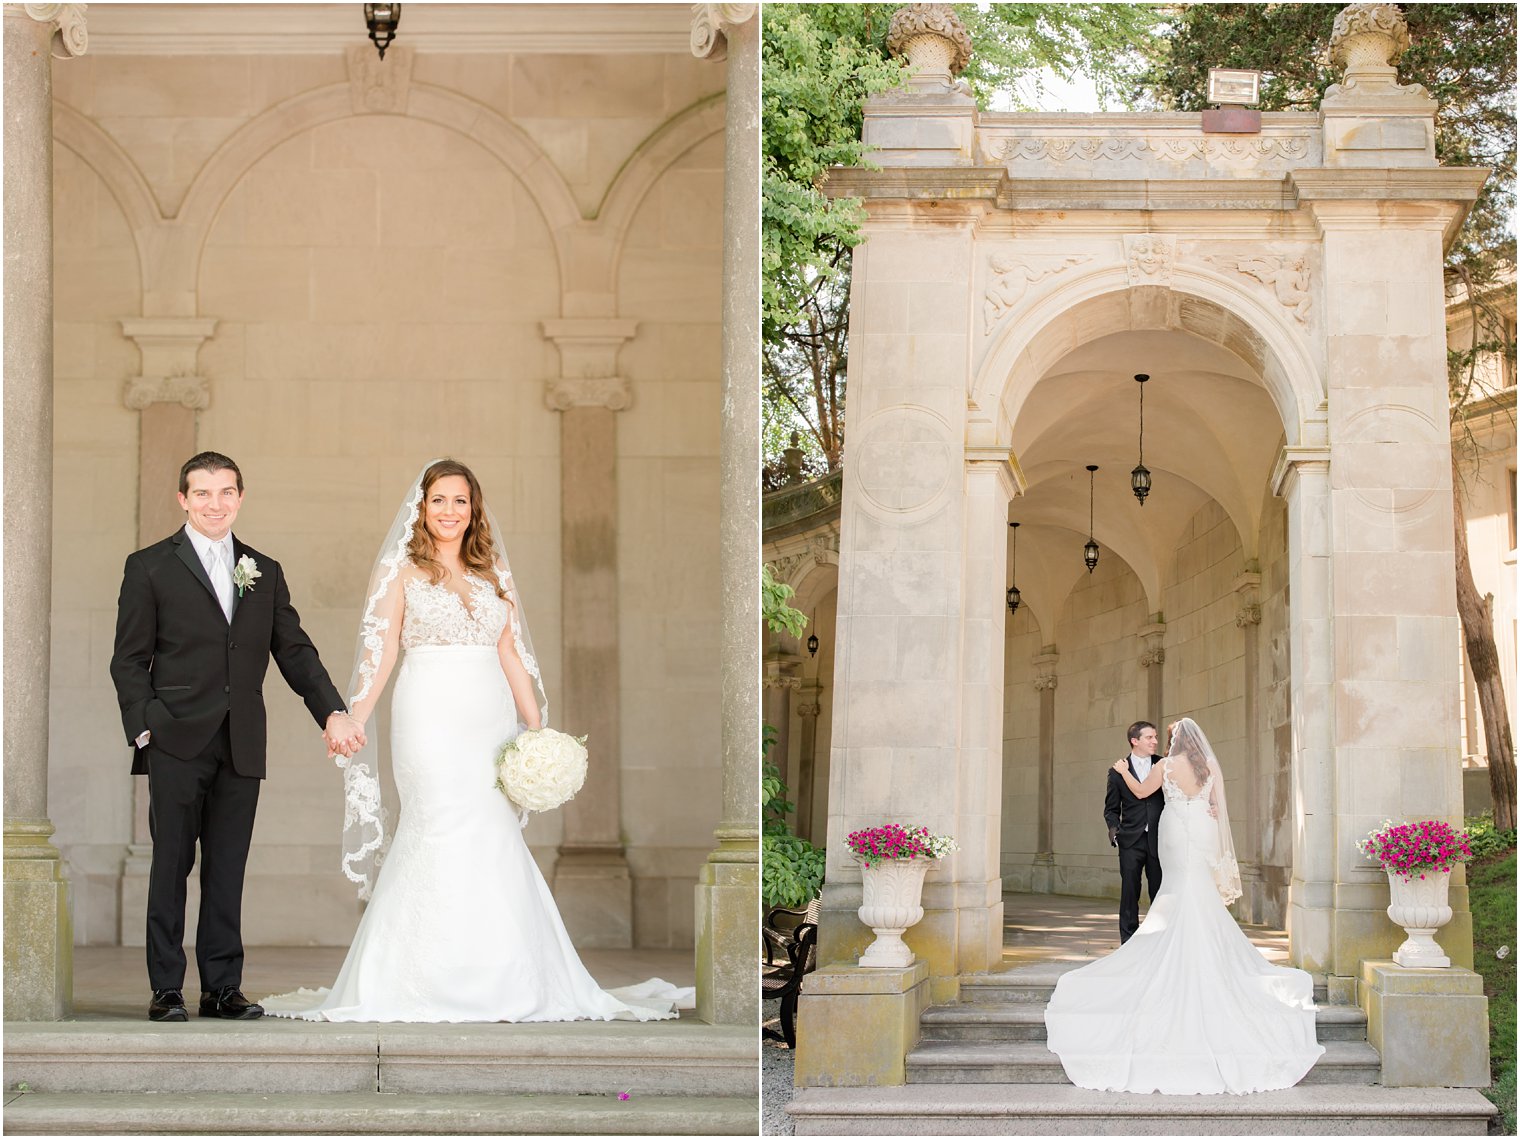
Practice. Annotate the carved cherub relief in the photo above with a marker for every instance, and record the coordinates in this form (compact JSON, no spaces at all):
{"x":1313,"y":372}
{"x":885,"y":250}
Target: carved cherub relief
{"x":1011,"y":277}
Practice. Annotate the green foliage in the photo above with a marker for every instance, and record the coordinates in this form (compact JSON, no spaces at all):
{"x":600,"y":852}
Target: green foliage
{"x":778,"y":616}
{"x":791,"y":868}
{"x":1491,"y":896}
{"x":1484,"y":839}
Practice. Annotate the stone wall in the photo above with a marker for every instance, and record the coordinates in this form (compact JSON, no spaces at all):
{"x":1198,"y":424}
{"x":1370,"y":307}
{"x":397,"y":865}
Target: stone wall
{"x":379,"y":284}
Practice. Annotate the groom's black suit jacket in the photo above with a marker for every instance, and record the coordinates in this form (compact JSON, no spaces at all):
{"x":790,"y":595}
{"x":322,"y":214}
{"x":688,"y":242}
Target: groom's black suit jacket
{"x":180,"y":668}
{"x":1130,"y":815}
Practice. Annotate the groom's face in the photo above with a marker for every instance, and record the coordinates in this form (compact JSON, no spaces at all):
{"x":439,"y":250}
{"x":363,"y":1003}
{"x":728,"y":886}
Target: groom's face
{"x":212,"y":502}
{"x":1144,"y":743}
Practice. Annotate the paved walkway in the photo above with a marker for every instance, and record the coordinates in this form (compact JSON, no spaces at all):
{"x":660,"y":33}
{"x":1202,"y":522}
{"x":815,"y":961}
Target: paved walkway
{"x":1039,"y":930}
{"x":111,"y":982}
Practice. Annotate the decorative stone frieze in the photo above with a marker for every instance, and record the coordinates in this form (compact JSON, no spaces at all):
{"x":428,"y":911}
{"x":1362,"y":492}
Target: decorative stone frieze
{"x":1012,"y":274}
{"x":70,"y":36}
{"x":1110,"y":148}
{"x":709,"y":39}
{"x":932,"y":38}
{"x":611,"y":392}
{"x":1149,"y":258}
{"x":379,"y":86}
{"x":141,"y":392}
{"x":1287,"y":276}
{"x":789,"y":683}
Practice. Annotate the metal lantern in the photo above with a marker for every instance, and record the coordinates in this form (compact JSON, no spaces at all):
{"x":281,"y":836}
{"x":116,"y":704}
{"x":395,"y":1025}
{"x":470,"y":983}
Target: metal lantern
{"x":1140,"y":477}
{"x":1013,"y":590}
{"x":382,"y":21}
{"x":812,"y":644}
{"x":1090,"y":550}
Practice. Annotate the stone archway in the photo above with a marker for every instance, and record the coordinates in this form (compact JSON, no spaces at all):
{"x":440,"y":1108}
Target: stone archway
{"x":1301,"y":265}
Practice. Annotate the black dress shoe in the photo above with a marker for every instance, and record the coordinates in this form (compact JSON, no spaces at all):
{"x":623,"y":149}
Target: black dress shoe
{"x":230,"y":1004}
{"x":168,"y":1004}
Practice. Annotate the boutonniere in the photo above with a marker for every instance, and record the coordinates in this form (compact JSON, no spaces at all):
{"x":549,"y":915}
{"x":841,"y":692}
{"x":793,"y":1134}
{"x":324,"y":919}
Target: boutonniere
{"x":245,"y":573}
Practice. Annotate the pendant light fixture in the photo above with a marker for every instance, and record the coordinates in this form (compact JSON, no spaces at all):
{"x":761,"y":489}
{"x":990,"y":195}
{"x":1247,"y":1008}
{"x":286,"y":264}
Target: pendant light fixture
{"x":1090,"y":551}
{"x":1140,"y":477}
{"x":1013,"y":590}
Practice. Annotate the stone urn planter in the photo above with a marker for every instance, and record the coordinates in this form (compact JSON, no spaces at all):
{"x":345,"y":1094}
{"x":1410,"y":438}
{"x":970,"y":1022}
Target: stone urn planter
{"x":893,"y":861}
{"x":1419,"y":905}
{"x":1419,"y":857}
{"x":891,"y":904}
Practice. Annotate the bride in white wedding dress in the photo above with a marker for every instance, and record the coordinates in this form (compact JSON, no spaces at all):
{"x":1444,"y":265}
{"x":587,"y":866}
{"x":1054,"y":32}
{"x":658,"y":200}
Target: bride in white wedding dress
{"x":460,"y":924}
{"x":1188,"y":1004}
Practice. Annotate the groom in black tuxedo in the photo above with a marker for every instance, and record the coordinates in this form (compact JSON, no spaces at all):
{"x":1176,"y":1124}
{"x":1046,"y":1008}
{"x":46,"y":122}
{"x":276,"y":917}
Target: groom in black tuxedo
{"x":200,"y":616}
{"x":1133,"y":825}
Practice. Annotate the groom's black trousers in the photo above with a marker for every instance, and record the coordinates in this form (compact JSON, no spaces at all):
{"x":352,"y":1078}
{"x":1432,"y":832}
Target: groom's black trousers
{"x":1135,"y":860}
{"x":188,"y":800}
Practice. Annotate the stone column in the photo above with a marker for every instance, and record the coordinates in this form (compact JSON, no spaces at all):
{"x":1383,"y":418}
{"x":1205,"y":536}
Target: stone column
{"x":808,"y":708}
{"x":1043,"y":880}
{"x":1152,"y":657}
{"x":592,"y":884}
{"x":728,"y":892}
{"x":1247,"y":589}
{"x":39,"y":959}
{"x":781,"y":680}
{"x":166,"y":393}
{"x":1302,"y":477}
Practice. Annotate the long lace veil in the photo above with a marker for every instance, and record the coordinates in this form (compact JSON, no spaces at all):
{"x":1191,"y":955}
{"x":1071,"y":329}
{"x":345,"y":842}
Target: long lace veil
{"x":366,"y":821}
{"x":1188,"y":737}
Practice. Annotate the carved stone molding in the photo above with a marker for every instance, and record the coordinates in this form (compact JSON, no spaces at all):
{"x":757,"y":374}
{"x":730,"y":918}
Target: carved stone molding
{"x":169,"y":347}
{"x":1010,"y":277}
{"x":611,"y":392}
{"x":790,"y":683}
{"x":70,"y":36}
{"x":379,"y":86}
{"x":932,"y":38}
{"x":1247,"y":589}
{"x":1044,"y":681}
{"x":140,"y":392}
{"x":1287,"y":276}
{"x":1149,"y":257}
{"x":1045,"y":671}
{"x":807,"y":711}
{"x":709,"y":38}
{"x":1103,"y":147}
{"x":588,"y":350}
{"x":1152,"y":651}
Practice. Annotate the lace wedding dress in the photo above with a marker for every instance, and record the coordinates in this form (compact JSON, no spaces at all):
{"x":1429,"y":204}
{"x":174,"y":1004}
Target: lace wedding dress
{"x":461,"y":925}
{"x":1188,"y":1004}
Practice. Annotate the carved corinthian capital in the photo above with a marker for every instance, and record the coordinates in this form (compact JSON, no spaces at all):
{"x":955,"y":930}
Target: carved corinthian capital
{"x":140,"y":392}
{"x":70,"y":36}
{"x":709,"y":24}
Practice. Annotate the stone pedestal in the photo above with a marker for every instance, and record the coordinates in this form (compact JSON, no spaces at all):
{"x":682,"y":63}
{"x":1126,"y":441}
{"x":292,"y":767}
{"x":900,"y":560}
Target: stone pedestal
{"x":855,"y":1026}
{"x":1430,"y":1026}
{"x":39,"y":943}
{"x":594,"y":892}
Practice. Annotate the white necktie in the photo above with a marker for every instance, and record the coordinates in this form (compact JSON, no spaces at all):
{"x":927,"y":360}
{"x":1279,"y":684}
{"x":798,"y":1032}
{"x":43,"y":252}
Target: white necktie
{"x":221,"y":577}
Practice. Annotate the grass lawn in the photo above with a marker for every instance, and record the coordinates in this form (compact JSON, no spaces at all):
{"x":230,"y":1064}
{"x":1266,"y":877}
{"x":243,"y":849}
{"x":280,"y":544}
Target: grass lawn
{"x":1492,"y":884}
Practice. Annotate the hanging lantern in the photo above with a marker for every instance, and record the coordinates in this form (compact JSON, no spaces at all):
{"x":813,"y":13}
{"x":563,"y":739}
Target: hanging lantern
{"x":1013,"y":590}
{"x":382,"y":21}
{"x":1140,"y":477}
{"x":812,"y":644}
{"x":1090,"y":551}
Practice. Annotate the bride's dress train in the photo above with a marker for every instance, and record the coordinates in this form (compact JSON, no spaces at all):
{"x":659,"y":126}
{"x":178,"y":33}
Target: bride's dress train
{"x":461,"y":926}
{"x":1188,"y":1004}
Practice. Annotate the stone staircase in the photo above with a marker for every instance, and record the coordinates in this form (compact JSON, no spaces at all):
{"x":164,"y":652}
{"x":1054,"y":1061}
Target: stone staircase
{"x":981,"y":1067}
{"x":108,"y":1076}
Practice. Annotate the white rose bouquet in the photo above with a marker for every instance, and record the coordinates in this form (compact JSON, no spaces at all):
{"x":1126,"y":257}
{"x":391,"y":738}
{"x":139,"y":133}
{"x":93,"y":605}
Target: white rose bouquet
{"x":541,"y":769}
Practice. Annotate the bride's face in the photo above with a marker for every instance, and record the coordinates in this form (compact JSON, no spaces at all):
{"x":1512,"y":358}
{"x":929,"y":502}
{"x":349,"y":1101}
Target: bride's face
{"x":449,"y":509}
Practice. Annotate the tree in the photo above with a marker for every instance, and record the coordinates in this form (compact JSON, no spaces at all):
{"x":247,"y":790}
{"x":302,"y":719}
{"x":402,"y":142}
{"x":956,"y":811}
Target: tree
{"x":1464,"y":55}
{"x":818,"y":64}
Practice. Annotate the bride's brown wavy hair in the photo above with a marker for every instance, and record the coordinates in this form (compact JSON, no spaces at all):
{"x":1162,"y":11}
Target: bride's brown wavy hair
{"x":476,"y":549}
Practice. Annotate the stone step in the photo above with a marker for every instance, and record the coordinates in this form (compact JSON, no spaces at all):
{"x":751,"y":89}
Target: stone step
{"x":1030,"y":1062}
{"x":1048,"y":1109}
{"x":374,"y":1113}
{"x":1024,"y":1020}
{"x":1035,"y":985}
{"x":672,"y":1058}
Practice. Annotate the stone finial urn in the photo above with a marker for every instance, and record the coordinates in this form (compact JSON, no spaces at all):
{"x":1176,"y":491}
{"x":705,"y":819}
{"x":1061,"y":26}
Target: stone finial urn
{"x":934,"y":41}
{"x":1368,"y":38}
